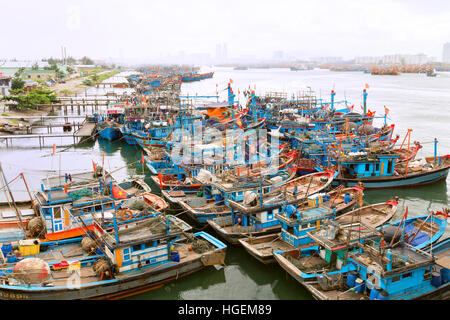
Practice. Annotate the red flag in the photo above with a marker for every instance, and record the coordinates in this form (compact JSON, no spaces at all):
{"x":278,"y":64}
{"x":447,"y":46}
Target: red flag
{"x":93,"y":164}
{"x":142,"y":157}
{"x":54,"y":149}
{"x":103,"y":160}
{"x":367,"y":86}
{"x":160,"y":179}
{"x":386,"y":110}
{"x":118,"y":193}
{"x":231,"y":80}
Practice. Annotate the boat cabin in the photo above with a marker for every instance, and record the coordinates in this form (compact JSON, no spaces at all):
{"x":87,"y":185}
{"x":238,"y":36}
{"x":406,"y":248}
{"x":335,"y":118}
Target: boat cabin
{"x":365,"y":167}
{"x":296,"y":223}
{"x":397,"y":273}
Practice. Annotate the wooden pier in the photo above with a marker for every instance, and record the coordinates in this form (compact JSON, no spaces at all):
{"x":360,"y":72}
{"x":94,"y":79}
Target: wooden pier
{"x":85,"y":131}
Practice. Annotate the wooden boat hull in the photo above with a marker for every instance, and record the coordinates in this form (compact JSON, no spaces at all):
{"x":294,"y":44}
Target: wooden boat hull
{"x":265,"y":257}
{"x":112,"y":289}
{"x":396,"y":182}
{"x":288,"y":267}
{"x":233,"y":237}
{"x":373,"y":215}
{"x":173,"y":186}
{"x":202,"y":217}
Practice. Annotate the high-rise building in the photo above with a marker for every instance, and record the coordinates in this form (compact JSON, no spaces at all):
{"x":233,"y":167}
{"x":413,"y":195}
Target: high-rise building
{"x":446,"y":53}
{"x":218,"y":52}
{"x":224,"y":51}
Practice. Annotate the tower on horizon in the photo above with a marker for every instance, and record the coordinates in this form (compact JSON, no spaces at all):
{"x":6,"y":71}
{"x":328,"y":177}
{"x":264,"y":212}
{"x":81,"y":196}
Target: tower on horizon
{"x":446,"y":53}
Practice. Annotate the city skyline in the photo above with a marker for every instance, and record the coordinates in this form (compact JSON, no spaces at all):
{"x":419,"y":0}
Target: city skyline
{"x":141,"y":30}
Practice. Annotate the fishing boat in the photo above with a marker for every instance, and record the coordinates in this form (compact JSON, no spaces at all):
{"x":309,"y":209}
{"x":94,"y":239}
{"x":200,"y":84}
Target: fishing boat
{"x":373,"y":215}
{"x":296,"y":222}
{"x":328,"y":255}
{"x":133,"y":261}
{"x":134,"y":187}
{"x":382,"y":170}
{"x":249,"y":218}
{"x":421,"y":232}
{"x":109,"y":124}
{"x":399,"y":273}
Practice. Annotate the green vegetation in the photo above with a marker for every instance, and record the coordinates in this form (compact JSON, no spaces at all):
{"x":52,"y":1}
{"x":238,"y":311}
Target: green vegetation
{"x":66,"y":92}
{"x":95,"y":77}
{"x":19,"y":72}
{"x":87,"y":61}
{"x":17,"y":83}
{"x":22,"y":101}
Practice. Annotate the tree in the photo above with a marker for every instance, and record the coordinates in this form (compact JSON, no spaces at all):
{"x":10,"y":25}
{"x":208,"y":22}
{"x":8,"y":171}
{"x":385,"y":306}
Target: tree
{"x":71,"y":60}
{"x":35,"y":66}
{"x":17,"y":83}
{"x":70,"y":70}
{"x":19,"y":72}
{"x":86,"y":60}
{"x":31,"y":99}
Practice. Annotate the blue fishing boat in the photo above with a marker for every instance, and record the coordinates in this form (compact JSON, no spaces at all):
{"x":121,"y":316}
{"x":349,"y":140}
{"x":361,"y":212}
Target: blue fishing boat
{"x":141,"y":259}
{"x":297,"y":221}
{"x":382,"y":170}
{"x":399,"y":273}
{"x":253,"y":209}
{"x":108,"y":125}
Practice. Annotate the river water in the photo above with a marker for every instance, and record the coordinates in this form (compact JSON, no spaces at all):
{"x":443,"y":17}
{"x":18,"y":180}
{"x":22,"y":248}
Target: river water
{"x":414,"y":101}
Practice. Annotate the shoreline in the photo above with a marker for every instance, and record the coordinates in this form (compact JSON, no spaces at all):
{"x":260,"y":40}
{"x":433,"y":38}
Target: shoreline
{"x":72,"y":84}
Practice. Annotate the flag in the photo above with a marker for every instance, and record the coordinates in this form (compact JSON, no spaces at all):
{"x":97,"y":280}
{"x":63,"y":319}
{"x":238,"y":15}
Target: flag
{"x":160,"y":179}
{"x":128,"y":103}
{"x":93,"y":164}
{"x":367,"y":86}
{"x":239,"y":92}
{"x":239,"y":123}
{"x":118,"y":193}
{"x":231,"y":80}
{"x":142,"y":157}
{"x":386,"y":110}
{"x":103,"y":160}
{"x":54,"y":149}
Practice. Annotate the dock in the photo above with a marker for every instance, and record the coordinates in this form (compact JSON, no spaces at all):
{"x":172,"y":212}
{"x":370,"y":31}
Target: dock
{"x":85,"y":131}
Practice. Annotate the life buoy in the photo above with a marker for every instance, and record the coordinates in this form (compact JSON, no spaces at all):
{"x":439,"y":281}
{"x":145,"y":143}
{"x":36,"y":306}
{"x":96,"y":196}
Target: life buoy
{"x":126,"y":214}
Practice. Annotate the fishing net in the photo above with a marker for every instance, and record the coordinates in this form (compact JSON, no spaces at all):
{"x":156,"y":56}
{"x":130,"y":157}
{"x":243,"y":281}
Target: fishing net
{"x":138,"y":205}
{"x":200,"y":246}
{"x":223,"y":221}
{"x":242,"y":229}
{"x":308,"y":264}
{"x":78,"y":194}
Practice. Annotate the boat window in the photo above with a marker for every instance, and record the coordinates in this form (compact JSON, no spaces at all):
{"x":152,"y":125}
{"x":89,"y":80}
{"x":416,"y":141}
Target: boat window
{"x":136,"y":247}
{"x":377,"y":167}
{"x":150,"y":244}
{"x":98,"y":207}
{"x":367,"y":167}
{"x":57,"y":212}
{"x":407,"y":275}
{"x":395,"y":279}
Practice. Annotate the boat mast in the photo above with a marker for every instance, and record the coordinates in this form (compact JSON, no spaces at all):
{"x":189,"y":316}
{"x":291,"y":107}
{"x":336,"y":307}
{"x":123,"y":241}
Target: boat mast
{"x":19,"y":216}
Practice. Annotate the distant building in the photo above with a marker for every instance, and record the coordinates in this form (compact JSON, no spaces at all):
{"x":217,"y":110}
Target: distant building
{"x":446,"y":53}
{"x":323,"y":60}
{"x":39,"y":74}
{"x":278,"y":55}
{"x":5,"y":84}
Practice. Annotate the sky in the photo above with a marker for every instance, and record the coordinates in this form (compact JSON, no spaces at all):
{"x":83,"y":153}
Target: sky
{"x":150,"y":29}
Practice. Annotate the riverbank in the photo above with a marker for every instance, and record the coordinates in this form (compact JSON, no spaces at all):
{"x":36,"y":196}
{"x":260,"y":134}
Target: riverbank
{"x":71,"y":87}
